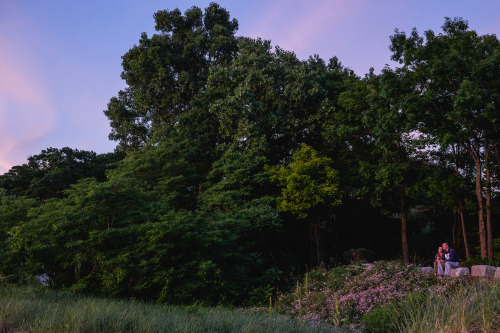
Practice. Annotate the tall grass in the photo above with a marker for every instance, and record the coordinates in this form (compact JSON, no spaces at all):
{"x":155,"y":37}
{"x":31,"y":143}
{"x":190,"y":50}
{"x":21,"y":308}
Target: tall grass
{"x":468,"y":307}
{"x":36,"y":309}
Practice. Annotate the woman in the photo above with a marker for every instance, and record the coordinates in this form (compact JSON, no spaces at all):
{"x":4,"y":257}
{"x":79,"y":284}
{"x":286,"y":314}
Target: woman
{"x":439,"y":260}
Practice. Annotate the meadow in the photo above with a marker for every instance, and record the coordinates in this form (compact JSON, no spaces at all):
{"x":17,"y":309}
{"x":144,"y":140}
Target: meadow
{"x":38,"y":309}
{"x":390,"y":297}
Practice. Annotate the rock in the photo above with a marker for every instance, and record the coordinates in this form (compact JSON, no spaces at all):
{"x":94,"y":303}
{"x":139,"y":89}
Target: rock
{"x":460,"y":271}
{"x":497,"y":273}
{"x":44,"y":279}
{"x":427,"y":270}
{"x":368,"y":266}
{"x":483,"y":271}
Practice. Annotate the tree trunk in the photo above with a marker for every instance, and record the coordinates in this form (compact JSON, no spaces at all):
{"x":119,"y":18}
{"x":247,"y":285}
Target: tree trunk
{"x":466,"y":244}
{"x":312,"y":246}
{"x":488,"y":206}
{"x":454,"y":231}
{"x":460,"y":207}
{"x":479,"y":196}
{"x":404,"y":239}
{"x":318,"y":251}
{"x":480,"y":213}
{"x":497,"y":157}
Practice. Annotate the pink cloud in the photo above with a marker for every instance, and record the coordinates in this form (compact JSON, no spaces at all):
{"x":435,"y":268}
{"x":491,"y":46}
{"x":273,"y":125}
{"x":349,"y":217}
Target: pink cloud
{"x":26,"y":112}
{"x":314,"y":20}
{"x":295,"y":26}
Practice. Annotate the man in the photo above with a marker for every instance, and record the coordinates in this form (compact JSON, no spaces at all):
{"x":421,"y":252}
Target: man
{"x":451,"y":260}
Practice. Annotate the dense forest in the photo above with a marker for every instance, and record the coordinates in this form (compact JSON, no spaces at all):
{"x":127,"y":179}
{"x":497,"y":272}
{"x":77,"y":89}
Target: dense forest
{"x":238,"y":166}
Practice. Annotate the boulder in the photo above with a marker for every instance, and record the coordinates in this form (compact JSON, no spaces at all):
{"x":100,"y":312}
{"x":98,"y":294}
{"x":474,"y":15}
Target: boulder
{"x":497,"y":273}
{"x":460,"y":271}
{"x":44,"y":279}
{"x":427,"y":270}
{"x":483,"y":271}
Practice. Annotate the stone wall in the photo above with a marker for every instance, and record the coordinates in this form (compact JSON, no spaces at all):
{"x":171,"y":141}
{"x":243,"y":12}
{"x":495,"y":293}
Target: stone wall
{"x":477,"y":270}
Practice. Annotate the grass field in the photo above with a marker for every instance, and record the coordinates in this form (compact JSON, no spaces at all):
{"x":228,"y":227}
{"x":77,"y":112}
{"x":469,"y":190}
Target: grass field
{"x":464,"y":306}
{"x":37,"y":309}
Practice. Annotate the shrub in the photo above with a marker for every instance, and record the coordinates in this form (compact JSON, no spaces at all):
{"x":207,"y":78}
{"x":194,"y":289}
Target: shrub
{"x":353,"y":256}
{"x":477,"y":260}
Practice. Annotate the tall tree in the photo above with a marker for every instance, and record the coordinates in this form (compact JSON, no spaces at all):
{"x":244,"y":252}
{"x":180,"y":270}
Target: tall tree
{"x":391,"y":122}
{"x":166,"y":72}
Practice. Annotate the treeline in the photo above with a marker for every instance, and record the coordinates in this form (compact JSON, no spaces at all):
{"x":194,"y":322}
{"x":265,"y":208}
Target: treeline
{"x":238,"y":165}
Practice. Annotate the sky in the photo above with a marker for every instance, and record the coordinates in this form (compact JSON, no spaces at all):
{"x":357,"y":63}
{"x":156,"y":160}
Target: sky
{"x":60,"y":60}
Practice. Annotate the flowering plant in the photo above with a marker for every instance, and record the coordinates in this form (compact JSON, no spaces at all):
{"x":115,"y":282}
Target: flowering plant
{"x":344,"y":294}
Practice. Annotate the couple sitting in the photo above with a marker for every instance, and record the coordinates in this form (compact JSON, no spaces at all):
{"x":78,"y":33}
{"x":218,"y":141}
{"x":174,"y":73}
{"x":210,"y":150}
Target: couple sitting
{"x":445,"y":260}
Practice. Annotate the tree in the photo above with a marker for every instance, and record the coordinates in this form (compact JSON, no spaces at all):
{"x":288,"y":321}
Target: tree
{"x":48,"y":174}
{"x":166,"y":72}
{"x":347,"y":138}
{"x":13,"y":212}
{"x":391,"y":122}
{"x":268,"y":101}
{"x":77,"y":240}
{"x":309,"y":187}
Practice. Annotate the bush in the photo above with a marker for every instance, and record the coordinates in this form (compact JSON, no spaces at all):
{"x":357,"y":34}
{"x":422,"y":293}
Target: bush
{"x":477,"y":260}
{"x":353,"y":256}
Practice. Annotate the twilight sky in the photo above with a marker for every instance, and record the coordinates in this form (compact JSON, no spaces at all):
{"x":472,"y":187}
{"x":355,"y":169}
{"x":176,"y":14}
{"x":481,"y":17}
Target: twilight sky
{"x":60,"y":60}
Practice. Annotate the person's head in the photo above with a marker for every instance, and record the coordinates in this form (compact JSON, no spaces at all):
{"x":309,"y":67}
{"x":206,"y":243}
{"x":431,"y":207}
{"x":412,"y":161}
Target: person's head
{"x":445,"y":246}
{"x":440,"y":249}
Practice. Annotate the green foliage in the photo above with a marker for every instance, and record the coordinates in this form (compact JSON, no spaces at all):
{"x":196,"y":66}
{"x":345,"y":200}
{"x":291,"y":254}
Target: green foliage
{"x":477,"y":260}
{"x":48,"y":174}
{"x":166,"y":72}
{"x":268,"y":102}
{"x":307,"y":182}
{"x":118,"y":241}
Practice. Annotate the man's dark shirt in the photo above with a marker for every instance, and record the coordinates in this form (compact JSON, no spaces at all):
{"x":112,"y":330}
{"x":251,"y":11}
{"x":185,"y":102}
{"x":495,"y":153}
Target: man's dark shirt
{"x":451,"y":255}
